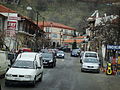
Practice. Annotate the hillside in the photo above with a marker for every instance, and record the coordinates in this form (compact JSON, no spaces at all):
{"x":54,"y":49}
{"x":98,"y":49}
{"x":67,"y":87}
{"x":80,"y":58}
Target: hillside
{"x":69,"y":12}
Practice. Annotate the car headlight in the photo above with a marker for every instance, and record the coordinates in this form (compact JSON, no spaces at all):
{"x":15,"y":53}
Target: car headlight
{"x":8,"y":75}
{"x":62,"y":54}
{"x":84,"y":65}
{"x":51,"y":60}
{"x":27,"y":76}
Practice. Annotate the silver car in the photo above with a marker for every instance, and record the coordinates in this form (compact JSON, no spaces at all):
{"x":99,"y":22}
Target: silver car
{"x":90,"y":64}
{"x":60,"y":54}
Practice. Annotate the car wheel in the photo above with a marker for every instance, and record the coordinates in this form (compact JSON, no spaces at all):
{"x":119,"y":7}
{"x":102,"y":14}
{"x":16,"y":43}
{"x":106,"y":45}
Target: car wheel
{"x":34,"y":82}
{"x":55,"y":64}
{"x":82,"y":70}
{"x":52,"y":65}
{"x":98,"y":71}
{"x":41,"y":77}
{"x":7,"y":83}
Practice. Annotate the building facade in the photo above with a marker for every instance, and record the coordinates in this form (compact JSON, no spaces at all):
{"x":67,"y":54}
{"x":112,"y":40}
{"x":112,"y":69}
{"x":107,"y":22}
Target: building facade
{"x":57,"y":32}
{"x":20,"y":31}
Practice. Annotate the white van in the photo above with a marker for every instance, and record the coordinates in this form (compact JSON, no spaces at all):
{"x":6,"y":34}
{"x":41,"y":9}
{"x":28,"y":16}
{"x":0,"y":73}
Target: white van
{"x":89,"y":54}
{"x":28,"y":68}
{"x":4,"y":62}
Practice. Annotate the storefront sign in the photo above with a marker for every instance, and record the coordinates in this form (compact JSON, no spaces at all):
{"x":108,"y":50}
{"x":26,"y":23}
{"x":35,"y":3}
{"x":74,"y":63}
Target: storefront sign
{"x":113,"y":47}
{"x":11,"y":25}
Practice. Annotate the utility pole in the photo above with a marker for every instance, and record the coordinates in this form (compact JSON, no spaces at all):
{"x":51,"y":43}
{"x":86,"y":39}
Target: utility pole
{"x":61,"y":36}
{"x":36,"y":32}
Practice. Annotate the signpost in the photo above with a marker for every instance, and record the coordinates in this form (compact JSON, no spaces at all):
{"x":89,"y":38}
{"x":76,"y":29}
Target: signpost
{"x":115,"y":62}
{"x":113,"y":47}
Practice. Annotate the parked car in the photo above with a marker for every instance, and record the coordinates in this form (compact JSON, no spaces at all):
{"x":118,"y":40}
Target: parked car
{"x":60,"y":54}
{"x":90,"y":64}
{"x":75,"y":52}
{"x":90,"y":54}
{"x":49,"y":59}
{"x":4,"y":62}
{"x":28,"y":68}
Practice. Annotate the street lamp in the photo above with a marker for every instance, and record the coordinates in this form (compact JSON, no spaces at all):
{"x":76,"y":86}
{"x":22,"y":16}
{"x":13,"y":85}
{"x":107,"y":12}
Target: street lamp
{"x":36,"y":31}
{"x":61,"y":36}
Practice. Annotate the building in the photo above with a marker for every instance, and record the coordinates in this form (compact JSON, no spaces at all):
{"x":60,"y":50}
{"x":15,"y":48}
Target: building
{"x":57,"y":32}
{"x":20,"y":31}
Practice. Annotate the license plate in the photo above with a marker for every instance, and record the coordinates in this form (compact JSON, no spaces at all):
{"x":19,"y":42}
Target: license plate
{"x":17,"y":78}
{"x":45,"y":62}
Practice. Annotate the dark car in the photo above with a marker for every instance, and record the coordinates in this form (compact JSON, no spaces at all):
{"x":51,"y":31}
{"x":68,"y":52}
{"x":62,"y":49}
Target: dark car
{"x":75,"y":52}
{"x":49,"y":59}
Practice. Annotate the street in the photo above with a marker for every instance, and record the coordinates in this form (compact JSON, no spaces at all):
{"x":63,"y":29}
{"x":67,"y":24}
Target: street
{"x":67,"y":75}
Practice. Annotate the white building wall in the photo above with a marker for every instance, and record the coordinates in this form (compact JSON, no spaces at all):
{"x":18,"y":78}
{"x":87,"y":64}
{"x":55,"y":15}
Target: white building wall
{"x":58,"y":34}
{"x":11,"y":26}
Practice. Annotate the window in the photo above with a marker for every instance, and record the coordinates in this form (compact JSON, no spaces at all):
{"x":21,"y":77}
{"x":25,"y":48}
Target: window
{"x":47,"y":29}
{"x":54,"y":35}
{"x":65,"y":36}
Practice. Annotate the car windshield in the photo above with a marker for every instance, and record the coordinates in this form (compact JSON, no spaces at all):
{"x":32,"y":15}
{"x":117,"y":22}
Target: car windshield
{"x":91,"y":55}
{"x":61,"y":52}
{"x":75,"y":50}
{"x":23,"y":64}
{"x":91,"y":60}
{"x":47,"y":55}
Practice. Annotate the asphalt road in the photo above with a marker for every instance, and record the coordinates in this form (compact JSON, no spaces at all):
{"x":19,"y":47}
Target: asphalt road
{"x":68,"y":76}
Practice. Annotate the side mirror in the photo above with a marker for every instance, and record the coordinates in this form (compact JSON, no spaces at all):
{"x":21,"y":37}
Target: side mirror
{"x":9,"y":65}
{"x":80,"y":61}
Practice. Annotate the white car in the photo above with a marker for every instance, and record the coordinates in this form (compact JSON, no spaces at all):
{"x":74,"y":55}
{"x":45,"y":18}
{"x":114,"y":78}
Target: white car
{"x":90,"y":54}
{"x":90,"y":64}
{"x":28,"y":68}
{"x":60,"y":54}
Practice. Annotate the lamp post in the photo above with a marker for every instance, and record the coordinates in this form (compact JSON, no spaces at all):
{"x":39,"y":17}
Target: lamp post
{"x":36,"y":31}
{"x":60,"y":36}
{"x":37,"y":18}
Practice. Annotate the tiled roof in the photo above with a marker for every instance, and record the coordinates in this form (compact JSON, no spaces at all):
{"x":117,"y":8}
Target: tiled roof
{"x":53,"y":24}
{"x":6,"y":10}
{"x":80,"y":37}
{"x":72,"y":40}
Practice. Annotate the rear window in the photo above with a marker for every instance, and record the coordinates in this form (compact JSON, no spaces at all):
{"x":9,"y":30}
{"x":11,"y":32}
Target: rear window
{"x":91,"y":60}
{"x":91,"y":55}
{"x":47,"y":55}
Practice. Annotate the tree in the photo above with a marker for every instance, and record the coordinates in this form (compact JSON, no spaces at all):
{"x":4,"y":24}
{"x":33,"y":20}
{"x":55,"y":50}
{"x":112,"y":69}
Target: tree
{"x":74,"y":45}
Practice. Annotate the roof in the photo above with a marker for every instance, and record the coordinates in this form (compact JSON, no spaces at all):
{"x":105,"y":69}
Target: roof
{"x":6,"y":10}
{"x":53,"y":24}
{"x":80,"y":37}
{"x":27,"y":56}
{"x":72,"y":40}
